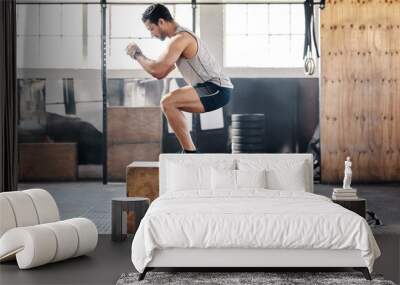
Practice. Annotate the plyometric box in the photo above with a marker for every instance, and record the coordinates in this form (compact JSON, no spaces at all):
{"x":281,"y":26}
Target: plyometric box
{"x":133,"y":134}
{"x":48,"y":161}
{"x":142,"y":180}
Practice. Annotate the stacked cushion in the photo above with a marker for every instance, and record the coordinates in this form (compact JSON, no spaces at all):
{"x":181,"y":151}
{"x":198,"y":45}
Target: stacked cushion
{"x":193,"y":175}
{"x":288,"y":175}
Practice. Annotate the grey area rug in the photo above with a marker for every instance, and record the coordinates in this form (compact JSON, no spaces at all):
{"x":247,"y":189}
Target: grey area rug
{"x":269,"y":278}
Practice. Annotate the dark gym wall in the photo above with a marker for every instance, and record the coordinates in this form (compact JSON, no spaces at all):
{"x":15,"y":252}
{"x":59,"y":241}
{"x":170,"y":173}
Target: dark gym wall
{"x":290,"y":106}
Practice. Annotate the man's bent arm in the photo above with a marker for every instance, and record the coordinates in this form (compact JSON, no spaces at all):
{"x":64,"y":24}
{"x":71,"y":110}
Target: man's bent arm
{"x":154,"y":67}
{"x":161,"y":67}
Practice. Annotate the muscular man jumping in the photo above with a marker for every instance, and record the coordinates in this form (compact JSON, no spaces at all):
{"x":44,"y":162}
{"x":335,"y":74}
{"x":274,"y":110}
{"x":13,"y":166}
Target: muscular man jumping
{"x":208,"y":90}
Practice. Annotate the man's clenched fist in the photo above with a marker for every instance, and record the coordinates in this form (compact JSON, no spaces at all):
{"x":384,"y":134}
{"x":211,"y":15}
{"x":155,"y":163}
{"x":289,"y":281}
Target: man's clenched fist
{"x":133,"y":50}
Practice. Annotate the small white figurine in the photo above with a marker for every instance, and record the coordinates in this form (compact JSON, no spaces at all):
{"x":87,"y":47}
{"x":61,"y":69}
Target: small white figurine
{"x":347,"y":173}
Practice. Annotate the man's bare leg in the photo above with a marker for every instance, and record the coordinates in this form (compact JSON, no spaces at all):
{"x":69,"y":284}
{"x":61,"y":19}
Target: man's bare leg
{"x":182,"y":99}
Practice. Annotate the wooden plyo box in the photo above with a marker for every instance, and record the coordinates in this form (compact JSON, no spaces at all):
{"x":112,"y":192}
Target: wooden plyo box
{"x":134,"y":124}
{"x":48,"y":161}
{"x":121,"y":155}
{"x":142,"y":180}
{"x":133,"y":134}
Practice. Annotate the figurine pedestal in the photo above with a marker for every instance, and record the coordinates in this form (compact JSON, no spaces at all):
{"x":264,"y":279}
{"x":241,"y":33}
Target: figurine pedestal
{"x":344,"y":190}
{"x":344,"y":194}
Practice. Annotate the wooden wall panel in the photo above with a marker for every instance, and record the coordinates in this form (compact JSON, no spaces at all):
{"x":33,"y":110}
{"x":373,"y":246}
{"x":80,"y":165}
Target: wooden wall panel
{"x":360,"y":85}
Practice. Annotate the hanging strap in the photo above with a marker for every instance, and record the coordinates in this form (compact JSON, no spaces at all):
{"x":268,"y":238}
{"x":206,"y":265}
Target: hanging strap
{"x":309,"y":24}
{"x":314,"y":38}
{"x":306,"y":28}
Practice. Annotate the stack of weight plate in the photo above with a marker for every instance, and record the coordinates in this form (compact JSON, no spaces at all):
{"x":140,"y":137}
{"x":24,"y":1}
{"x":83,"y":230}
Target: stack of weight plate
{"x":248,"y":133}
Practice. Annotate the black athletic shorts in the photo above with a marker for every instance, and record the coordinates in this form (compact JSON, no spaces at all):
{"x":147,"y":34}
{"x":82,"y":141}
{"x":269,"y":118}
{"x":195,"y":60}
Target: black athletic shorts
{"x":213,"y":96}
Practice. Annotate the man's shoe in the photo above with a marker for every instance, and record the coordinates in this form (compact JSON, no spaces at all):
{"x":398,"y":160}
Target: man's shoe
{"x":188,"y":151}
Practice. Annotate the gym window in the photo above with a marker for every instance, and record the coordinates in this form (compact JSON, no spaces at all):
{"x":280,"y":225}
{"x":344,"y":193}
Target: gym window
{"x":258,"y":35}
{"x":126,"y":26}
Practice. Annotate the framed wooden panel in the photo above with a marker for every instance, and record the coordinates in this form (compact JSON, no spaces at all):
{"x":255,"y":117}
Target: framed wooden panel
{"x":360,"y":89}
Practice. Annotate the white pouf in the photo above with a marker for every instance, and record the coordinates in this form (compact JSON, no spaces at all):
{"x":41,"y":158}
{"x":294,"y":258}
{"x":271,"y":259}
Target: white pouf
{"x":31,"y":232}
{"x":7,"y":216}
{"x":87,"y":233}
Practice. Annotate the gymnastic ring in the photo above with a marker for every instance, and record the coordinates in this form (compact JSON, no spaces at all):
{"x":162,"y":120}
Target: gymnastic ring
{"x":309,"y":66}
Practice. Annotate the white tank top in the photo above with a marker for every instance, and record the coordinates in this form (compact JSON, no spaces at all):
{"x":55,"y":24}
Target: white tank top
{"x":202,"y":67}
